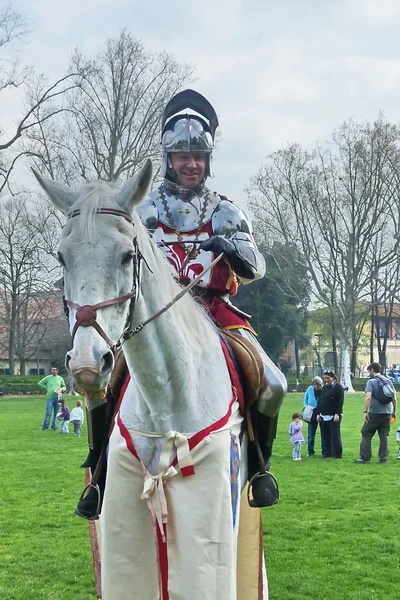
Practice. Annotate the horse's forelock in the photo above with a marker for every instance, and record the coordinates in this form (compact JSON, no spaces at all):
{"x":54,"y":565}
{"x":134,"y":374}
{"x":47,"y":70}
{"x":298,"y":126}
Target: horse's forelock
{"x":92,"y":196}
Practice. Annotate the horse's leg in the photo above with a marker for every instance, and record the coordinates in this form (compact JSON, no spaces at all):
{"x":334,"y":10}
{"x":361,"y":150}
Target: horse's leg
{"x":128,"y":551}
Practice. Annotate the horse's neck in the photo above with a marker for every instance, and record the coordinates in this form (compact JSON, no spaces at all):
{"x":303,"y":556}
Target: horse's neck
{"x":179,"y":384}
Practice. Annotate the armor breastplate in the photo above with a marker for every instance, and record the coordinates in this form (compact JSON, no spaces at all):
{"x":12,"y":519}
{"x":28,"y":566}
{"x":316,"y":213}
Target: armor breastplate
{"x":182,"y":212}
{"x":202,"y":214}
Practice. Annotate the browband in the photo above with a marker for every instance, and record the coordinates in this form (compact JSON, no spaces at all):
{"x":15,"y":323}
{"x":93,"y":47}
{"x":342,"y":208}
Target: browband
{"x":106,"y":211}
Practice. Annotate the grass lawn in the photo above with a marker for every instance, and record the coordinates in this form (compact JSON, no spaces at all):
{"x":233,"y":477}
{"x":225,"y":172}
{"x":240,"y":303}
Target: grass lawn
{"x":334,"y":534}
{"x":44,"y":548}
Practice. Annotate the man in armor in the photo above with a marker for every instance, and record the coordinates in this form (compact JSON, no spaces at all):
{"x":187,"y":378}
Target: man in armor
{"x":192,"y":225}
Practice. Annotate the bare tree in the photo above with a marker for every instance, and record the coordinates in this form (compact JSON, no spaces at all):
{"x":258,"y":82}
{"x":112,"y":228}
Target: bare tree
{"x":335,"y":204}
{"x":385,"y":288}
{"x":26,"y":276}
{"x":42,"y":100}
{"x":12,"y":29}
{"x":113,"y":117}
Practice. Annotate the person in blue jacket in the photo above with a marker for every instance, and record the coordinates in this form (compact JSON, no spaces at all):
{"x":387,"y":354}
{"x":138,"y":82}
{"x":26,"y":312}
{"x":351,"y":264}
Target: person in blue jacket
{"x":311,"y":397}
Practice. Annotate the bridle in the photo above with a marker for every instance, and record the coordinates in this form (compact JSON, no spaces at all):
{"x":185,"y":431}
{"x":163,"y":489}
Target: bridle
{"x":86,"y":315}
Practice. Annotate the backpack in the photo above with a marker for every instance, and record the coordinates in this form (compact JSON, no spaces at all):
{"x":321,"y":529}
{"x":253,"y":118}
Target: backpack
{"x":384,"y":391}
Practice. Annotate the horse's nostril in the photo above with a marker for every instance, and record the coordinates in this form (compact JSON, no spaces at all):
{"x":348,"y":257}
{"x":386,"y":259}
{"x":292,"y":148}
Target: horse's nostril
{"x":108,"y":362}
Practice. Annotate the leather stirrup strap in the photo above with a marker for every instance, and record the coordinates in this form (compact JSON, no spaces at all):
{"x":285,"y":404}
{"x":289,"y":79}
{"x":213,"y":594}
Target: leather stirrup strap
{"x":252,"y":365}
{"x":113,"y":393}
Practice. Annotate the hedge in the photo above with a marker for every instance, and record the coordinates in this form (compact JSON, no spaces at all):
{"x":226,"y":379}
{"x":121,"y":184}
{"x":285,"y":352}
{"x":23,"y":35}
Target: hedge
{"x":27,"y":385}
{"x":18,"y":389}
{"x":6,"y":379}
{"x":358,"y":386}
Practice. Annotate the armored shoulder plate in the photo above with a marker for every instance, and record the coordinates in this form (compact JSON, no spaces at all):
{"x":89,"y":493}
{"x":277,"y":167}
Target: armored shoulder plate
{"x":231,"y":222}
{"x":228,"y":219}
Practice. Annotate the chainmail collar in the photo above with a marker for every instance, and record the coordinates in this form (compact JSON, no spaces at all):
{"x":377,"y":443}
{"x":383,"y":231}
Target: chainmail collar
{"x":183,"y":193}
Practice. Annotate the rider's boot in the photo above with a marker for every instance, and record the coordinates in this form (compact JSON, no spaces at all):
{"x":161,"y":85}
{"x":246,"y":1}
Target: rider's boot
{"x":96,"y":423}
{"x":263,"y":487}
{"x":100,"y":422}
{"x":90,"y":502}
{"x":264,"y":416}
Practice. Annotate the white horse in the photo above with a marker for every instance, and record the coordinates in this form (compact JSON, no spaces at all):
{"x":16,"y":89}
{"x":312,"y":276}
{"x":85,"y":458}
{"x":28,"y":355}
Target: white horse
{"x":170,"y":514}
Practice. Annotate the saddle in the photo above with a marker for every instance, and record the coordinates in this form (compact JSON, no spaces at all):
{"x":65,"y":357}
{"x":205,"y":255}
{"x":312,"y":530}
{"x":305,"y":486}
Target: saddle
{"x":250,"y":361}
{"x":245,"y":353}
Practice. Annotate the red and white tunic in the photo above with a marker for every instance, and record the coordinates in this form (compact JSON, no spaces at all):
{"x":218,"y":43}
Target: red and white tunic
{"x":173,"y":536}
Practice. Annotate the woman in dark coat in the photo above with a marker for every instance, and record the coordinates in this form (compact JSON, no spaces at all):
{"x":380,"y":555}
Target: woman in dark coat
{"x":330,"y":412}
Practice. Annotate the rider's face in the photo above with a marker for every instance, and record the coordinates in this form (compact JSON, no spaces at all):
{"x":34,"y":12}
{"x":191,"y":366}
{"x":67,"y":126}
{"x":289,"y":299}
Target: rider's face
{"x":190,"y":169}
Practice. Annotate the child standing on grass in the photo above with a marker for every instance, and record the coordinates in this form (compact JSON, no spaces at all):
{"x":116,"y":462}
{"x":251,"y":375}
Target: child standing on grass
{"x":296,"y":436}
{"x":77,"y":417}
{"x":63,"y":416}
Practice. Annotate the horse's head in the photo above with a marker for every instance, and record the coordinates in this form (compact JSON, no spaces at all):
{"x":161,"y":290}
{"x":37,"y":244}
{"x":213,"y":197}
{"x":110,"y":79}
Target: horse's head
{"x":97,"y":252}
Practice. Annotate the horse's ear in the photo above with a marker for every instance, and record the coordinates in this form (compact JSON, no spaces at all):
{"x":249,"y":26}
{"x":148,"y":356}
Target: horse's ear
{"x":61,"y":195}
{"x":136,"y":188}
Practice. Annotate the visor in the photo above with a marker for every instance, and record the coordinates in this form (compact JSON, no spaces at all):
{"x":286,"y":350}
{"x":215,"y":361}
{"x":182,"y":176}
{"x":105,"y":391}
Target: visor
{"x":187,"y":135}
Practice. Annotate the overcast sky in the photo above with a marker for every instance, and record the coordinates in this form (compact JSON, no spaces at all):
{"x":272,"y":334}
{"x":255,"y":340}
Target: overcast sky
{"x":276,"y":71}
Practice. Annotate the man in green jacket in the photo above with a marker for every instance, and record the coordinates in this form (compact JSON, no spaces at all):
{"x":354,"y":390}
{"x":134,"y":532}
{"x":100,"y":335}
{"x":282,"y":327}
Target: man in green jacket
{"x":54,"y":386}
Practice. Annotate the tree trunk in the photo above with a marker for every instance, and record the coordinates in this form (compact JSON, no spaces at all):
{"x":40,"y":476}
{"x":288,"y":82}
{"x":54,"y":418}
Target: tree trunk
{"x":11,"y":348}
{"x":335,"y":353}
{"x":382,"y":360}
{"x":353,"y":362}
{"x":319,"y":363}
{"x":11,"y":358}
{"x":297,"y":358}
{"x":22,"y":367}
{"x":371,"y":338}
{"x":345,"y":378}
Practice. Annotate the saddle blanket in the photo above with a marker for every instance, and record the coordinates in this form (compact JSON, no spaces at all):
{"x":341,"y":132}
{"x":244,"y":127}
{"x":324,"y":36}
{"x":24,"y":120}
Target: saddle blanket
{"x":174,"y":536}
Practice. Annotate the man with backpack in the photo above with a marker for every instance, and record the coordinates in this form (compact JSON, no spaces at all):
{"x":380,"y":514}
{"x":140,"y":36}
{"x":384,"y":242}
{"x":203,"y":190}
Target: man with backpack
{"x":379,"y":407}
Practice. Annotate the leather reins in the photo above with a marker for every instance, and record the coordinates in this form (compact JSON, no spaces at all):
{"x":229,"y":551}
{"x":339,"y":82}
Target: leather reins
{"x":86,"y":314}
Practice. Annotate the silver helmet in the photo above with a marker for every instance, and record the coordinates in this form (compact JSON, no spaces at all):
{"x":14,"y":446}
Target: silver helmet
{"x":188,"y":132}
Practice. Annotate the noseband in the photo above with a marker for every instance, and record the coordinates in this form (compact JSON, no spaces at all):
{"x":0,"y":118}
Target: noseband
{"x":86,"y":314}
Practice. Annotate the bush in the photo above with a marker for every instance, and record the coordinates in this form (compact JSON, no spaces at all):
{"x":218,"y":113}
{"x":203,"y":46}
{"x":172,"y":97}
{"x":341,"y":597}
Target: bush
{"x":21,"y":384}
{"x":358,"y":385}
{"x":6,"y":379}
{"x":18,"y":389}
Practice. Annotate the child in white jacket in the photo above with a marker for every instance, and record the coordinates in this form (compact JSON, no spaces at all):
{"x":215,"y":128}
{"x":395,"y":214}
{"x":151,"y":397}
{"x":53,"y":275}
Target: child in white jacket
{"x":77,"y":418}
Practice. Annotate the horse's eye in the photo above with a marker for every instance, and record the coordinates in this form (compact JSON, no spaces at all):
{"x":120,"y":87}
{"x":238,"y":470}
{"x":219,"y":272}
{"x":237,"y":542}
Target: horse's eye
{"x":60,"y":259}
{"x":126,"y":259}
